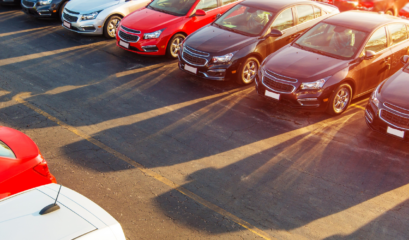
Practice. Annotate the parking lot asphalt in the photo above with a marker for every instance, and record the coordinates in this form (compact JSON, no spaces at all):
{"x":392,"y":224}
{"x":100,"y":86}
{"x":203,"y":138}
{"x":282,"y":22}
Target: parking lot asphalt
{"x":171,"y":156}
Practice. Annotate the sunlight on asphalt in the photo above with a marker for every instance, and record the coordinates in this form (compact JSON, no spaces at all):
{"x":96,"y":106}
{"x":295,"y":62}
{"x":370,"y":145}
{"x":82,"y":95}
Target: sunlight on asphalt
{"x":24,"y":31}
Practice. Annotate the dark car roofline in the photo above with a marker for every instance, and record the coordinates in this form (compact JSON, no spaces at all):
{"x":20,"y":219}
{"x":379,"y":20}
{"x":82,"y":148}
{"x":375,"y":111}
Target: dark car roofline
{"x":274,"y":5}
{"x":362,"y":20}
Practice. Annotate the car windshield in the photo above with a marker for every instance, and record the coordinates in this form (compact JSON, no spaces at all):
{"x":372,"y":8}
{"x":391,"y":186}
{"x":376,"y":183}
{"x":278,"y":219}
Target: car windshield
{"x":331,"y":40}
{"x":5,"y":151}
{"x":173,"y":7}
{"x":245,"y":20}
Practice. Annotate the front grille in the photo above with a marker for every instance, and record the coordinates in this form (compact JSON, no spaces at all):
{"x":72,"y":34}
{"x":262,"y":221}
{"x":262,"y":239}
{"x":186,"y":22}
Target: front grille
{"x":130,"y":30}
{"x":72,"y":12}
{"x":396,"y":108}
{"x":128,"y":37}
{"x":70,"y":18}
{"x":197,"y":52}
{"x":277,"y":86}
{"x":193,"y":60}
{"x":280,"y":77}
{"x":28,"y":4}
{"x":394,"y":119}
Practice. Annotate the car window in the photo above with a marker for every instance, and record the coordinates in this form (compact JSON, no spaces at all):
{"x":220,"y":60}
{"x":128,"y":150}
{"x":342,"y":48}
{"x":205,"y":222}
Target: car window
{"x":284,"y":20}
{"x":225,"y":2}
{"x":207,"y":5}
{"x":317,"y":12}
{"x":305,"y":13}
{"x":5,"y":151}
{"x":377,"y":42}
{"x":398,"y":33}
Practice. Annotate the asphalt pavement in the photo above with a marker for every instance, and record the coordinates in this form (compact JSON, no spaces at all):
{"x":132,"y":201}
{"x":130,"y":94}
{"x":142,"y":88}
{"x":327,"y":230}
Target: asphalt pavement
{"x":172,"y":156}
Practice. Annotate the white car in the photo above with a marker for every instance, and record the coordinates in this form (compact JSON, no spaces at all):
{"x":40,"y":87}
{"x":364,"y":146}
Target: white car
{"x":75,"y":217}
{"x":98,"y":17}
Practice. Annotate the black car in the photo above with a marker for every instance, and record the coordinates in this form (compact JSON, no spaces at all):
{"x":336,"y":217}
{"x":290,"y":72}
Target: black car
{"x":341,"y":58}
{"x":388,"y":108}
{"x":10,"y":2}
{"x":44,"y":8}
{"x":234,"y":45}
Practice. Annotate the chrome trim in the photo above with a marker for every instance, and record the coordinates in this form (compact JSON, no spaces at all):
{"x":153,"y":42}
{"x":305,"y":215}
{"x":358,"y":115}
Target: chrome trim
{"x":380,"y":116}
{"x":198,"y":56}
{"x":128,"y":40}
{"x":78,"y":18}
{"x":72,"y":12}
{"x":130,"y":30}
{"x":265,"y":71}
{"x":143,"y":47}
{"x":190,"y":49}
{"x":368,"y":114}
{"x":394,"y":109}
{"x":212,"y":78}
{"x":85,"y":31}
{"x":265,"y":85}
{"x":217,"y":70}
{"x":22,"y":3}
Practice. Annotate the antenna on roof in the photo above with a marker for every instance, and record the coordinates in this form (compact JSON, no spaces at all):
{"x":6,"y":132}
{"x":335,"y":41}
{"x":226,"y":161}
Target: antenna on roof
{"x":52,"y":207}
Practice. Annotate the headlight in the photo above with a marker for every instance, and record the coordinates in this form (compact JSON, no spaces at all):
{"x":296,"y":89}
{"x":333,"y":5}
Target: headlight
{"x":90,"y":16}
{"x":374,"y":99}
{"x":223,"y":59}
{"x":44,"y":2}
{"x":153,"y":35}
{"x":313,"y":85}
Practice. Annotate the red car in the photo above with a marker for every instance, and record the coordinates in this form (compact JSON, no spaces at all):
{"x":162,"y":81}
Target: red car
{"x":21,"y":165}
{"x":159,"y":28}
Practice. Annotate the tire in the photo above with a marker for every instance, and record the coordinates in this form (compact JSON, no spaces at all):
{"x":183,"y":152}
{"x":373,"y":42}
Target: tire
{"x":110,"y":26}
{"x":340,"y":100}
{"x":248,"y":71}
{"x":62,"y":9}
{"x":173,"y":46}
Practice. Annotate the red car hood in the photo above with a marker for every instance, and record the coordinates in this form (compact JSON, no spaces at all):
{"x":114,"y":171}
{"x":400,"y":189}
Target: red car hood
{"x":147,"y":20}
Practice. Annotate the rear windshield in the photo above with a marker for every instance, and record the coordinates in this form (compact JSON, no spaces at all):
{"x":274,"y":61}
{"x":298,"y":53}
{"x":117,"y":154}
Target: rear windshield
{"x":5,"y":151}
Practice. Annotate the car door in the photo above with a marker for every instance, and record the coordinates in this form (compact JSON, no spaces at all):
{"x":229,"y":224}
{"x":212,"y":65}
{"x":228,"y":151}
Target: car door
{"x":399,"y":44}
{"x":372,"y":71}
{"x":285,"y":22}
{"x":307,"y":16}
{"x":196,"y":22}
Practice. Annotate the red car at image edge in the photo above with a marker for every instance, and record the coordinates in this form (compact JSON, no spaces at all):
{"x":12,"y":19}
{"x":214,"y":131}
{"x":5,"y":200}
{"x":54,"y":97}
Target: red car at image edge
{"x":159,"y":28}
{"x":21,"y":165}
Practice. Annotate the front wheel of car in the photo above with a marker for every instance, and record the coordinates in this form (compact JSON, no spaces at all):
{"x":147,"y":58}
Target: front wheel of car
{"x":340,"y":99}
{"x":248,"y":71}
{"x":173,"y":48}
{"x":60,"y":12}
{"x":390,"y":12}
{"x":110,"y":26}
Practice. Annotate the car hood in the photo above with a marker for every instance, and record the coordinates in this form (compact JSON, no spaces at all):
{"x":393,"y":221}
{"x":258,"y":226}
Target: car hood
{"x":91,"y":5}
{"x":148,"y":20}
{"x":212,"y":39}
{"x":301,"y":64}
{"x":395,"y":89}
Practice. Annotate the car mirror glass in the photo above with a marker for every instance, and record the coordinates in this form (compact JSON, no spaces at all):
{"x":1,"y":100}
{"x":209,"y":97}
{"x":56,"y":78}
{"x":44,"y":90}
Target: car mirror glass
{"x":404,"y":59}
{"x":369,"y":54}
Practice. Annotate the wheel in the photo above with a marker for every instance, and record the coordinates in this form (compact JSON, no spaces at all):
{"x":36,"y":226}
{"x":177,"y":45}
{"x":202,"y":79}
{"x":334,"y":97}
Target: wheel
{"x":174,"y":45}
{"x":340,"y":99}
{"x":62,"y":9}
{"x":248,"y":71}
{"x":390,"y":12}
{"x":110,"y":26}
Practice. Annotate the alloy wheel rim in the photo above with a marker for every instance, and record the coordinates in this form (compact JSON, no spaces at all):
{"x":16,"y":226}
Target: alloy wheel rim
{"x":341,"y":100}
{"x":112,"y":27}
{"x":249,"y":72}
{"x":176,"y":46}
{"x":389,"y":12}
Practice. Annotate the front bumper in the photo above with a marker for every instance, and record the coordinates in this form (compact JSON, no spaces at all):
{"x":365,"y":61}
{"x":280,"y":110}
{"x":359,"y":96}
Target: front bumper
{"x":312,"y":100}
{"x":89,"y":27}
{"x":377,"y":123}
{"x":33,"y":9}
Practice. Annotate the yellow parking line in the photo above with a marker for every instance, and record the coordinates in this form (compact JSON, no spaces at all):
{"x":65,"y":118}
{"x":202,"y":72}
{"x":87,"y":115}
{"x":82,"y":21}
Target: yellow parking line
{"x":357,"y":106}
{"x":146,"y":171}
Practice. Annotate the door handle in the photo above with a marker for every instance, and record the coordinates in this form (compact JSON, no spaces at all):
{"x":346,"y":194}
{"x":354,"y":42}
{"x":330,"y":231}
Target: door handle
{"x":387,"y":59}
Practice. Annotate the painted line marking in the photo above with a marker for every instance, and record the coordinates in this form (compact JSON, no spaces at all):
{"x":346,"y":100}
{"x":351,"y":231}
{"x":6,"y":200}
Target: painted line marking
{"x":357,"y":106}
{"x":146,"y":171}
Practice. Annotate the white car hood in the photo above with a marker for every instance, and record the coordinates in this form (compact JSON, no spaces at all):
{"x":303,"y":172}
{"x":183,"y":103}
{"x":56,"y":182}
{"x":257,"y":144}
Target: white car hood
{"x":78,"y":217}
{"x":89,"y":6}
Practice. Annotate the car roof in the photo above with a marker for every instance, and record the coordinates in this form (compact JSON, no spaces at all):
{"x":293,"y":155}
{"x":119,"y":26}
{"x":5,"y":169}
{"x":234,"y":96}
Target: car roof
{"x":273,"y":5}
{"x":362,"y":20}
{"x":22,"y":146}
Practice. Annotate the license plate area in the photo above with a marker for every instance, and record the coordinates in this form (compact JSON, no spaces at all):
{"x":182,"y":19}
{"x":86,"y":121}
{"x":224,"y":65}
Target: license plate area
{"x":190,"y":69}
{"x":123,"y":44}
{"x":273,"y":95}
{"x":67,"y":24}
{"x":395,"y":132}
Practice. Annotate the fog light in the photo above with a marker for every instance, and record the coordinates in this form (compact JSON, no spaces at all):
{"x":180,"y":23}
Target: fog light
{"x":325,"y":100}
{"x":308,"y":101}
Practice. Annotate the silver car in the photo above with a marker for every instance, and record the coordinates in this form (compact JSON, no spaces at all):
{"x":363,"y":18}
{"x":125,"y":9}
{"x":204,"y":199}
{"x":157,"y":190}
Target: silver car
{"x":98,"y":17}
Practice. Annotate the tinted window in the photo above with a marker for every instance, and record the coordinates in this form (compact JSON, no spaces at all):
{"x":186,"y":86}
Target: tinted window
{"x":377,"y":42}
{"x":284,"y":20}
{"x":5,"y":151}
{"x":317,"y":12}
{"x":225,"y":2}
{"x":305,"y":13}
{"x":174,"y":7}
{"x":398,"y":33}
{"x":207,"y":5}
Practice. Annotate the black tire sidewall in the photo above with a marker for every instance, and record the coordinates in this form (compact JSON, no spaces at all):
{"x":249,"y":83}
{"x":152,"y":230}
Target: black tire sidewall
{"x":168,"y":48}
{"x":330,"y":109}
{"x":239,"y":78}
{"x":106,"y":34}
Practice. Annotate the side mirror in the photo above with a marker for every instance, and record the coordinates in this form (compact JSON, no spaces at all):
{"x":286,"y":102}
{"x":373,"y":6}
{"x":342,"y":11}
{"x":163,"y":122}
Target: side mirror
{"x":275,"y":33}
{"x":404,"y":59}
{"x":369,"y":54}
{"x":200,"y":12}
{"x":218,"y":16}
